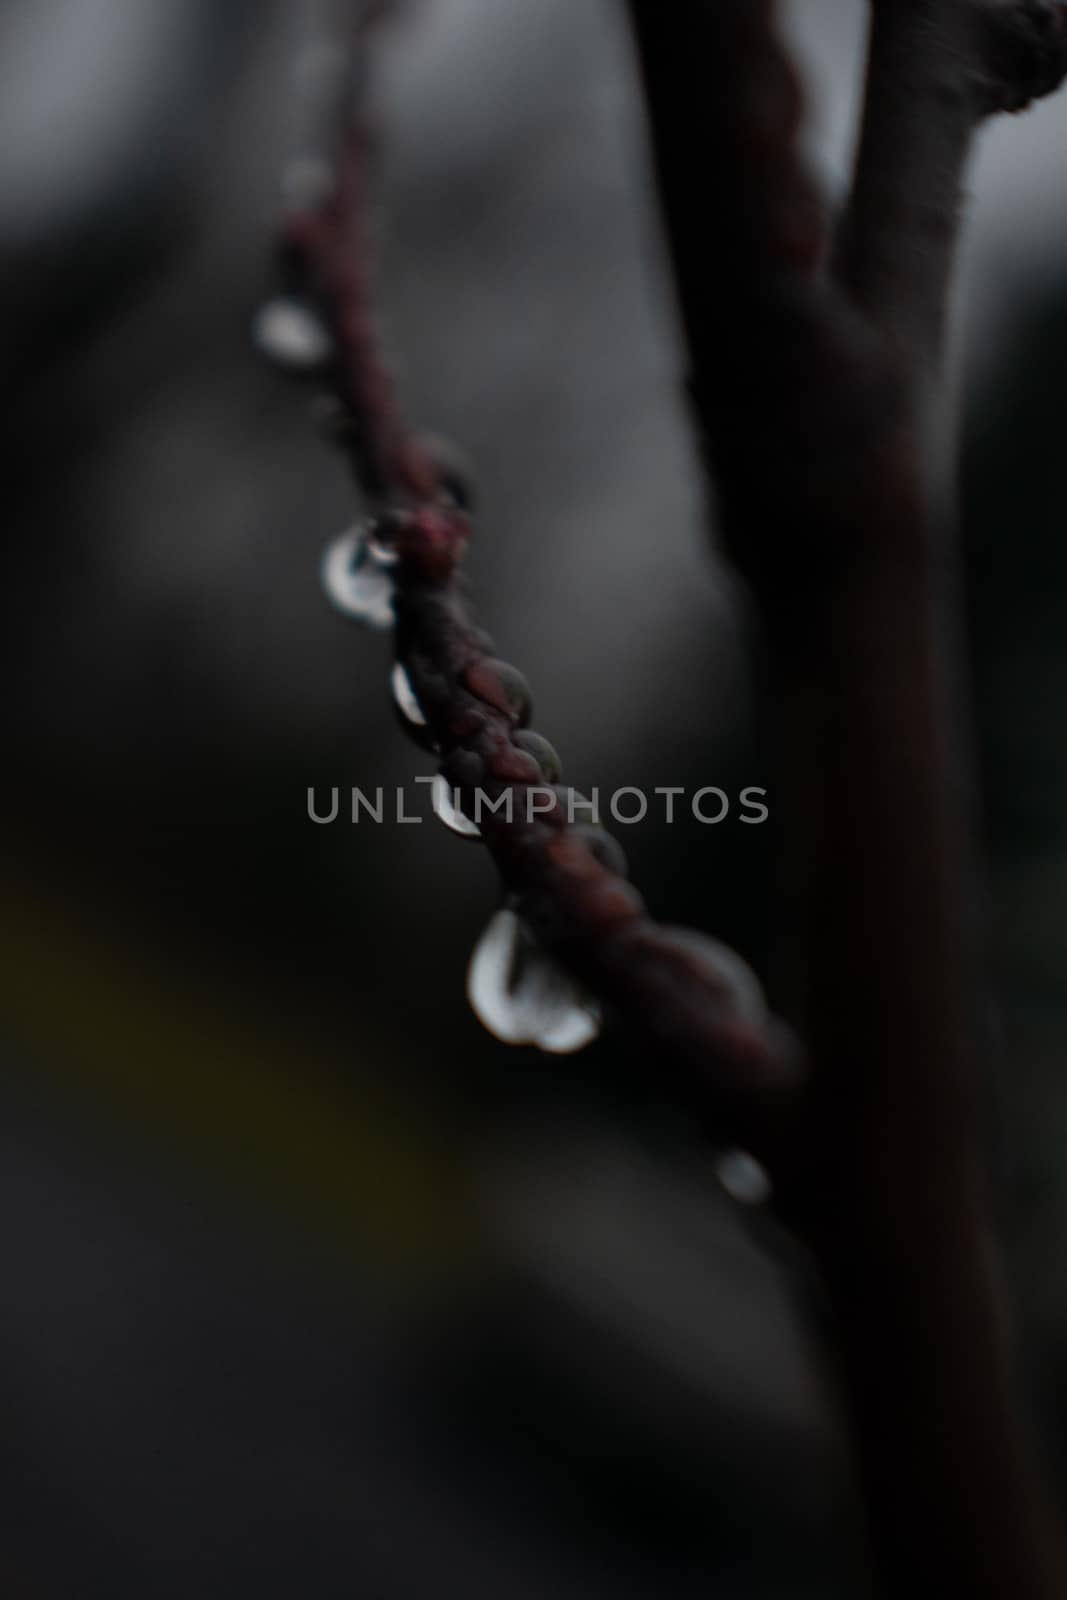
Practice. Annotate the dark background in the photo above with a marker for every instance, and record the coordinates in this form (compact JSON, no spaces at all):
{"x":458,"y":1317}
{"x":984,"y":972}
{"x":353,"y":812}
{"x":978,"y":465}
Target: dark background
{"x":309,"y":1287}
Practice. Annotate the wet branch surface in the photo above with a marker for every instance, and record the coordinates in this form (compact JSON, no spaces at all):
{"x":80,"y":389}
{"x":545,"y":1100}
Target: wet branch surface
{"x":737,"y":1072}
{"x":813,"y":378}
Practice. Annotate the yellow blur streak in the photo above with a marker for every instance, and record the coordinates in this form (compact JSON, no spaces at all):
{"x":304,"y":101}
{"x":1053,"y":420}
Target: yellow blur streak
{"x":264,"y":1110}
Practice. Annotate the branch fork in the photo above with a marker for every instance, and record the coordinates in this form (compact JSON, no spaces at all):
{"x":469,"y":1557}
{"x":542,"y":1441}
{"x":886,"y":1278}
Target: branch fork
{"x":816,"y":380}
{"x":815,"y":376}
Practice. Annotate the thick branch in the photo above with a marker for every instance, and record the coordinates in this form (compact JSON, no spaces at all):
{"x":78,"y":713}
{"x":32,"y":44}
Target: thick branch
{"x":936,"y":68}
{"x":812,"y":405}
{"x":899,"y":232}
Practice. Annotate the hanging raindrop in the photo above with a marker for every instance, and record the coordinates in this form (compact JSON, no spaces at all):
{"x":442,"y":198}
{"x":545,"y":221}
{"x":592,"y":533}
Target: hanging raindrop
{"x":356,"y":583}
{"x":409,"y":710}
{"x":405,"y":698}
{"x":521,"y":996}
{"x":292,"y":335}
{"x":576,"y":1022}
{"x":743,"y":1177}
{"x":445,"y":809}
{"x":382,"y":534}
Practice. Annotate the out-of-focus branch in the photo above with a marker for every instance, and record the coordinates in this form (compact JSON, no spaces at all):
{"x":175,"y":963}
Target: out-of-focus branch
{"x":325,"y":247}
{"x":936,"y":68}
{"x":811,"y":394}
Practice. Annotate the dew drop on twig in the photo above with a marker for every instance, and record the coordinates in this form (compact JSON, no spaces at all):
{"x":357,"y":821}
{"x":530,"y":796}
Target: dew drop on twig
{"x":519,"y":994}
{"x":292,"y":335}
{"x":381,"y":534}
{"x":405,"y":698}
{"x":356,"y":583}
{"x":445,"y":809}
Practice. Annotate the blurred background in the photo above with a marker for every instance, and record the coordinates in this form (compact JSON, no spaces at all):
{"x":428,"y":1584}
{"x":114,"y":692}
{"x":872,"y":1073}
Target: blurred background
{"x":309,"y":1286}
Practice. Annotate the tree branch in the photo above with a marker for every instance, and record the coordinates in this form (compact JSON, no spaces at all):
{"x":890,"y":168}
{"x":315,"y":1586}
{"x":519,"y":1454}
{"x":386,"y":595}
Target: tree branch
{"x":813,"y":405}
{"x":936,"y":69}
{"x":736,"y":1070}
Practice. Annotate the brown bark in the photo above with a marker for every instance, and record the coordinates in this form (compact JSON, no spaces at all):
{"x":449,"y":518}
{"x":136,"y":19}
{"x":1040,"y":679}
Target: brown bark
{"x":815,"y":395}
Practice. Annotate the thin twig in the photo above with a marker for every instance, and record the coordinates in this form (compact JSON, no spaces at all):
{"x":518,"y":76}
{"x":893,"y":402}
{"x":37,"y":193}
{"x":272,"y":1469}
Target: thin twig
{"x":734,"y":1069}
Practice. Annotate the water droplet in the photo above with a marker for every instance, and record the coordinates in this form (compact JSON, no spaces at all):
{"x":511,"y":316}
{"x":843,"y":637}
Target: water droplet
{"x":442,"y":798}
{"x":292,"y":335}
{"x":407,"y":701}
{"x":356,"y":584}
{"x":577,"y":1023}
{"x":381,"y":538}
{"x":743,"y":1177}
{"x":519,"y":994}
{"x":543,"y":753}
{"x":412,"y":718}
